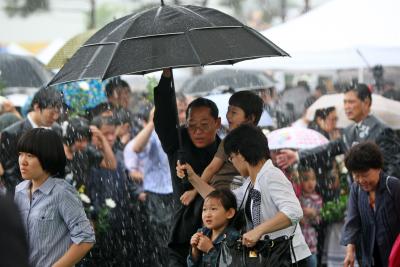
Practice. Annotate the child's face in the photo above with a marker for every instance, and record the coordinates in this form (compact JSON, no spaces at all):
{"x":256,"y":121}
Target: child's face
{"x":235,"y":117}
{"x":214,"y":215}
{"x":309,"y":185}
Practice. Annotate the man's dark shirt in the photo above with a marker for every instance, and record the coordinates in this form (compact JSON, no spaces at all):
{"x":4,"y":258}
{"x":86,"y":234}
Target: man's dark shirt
{"x":187,"y":219}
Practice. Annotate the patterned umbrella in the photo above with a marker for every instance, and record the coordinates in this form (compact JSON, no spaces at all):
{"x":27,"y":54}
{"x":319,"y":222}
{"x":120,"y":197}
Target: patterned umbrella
{"x":296,"y":138}
{"x":83,"y":95}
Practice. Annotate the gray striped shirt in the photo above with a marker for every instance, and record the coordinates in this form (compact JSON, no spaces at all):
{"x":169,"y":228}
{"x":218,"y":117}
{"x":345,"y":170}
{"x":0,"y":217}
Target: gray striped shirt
{"x":53,"y":220}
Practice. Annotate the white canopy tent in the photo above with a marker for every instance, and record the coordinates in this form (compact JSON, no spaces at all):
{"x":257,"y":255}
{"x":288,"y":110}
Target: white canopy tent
{"x":337,"y":35}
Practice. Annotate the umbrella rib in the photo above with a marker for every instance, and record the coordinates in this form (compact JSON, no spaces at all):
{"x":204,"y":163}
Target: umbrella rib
{"x":149,"y":36}
{"x":191,"y":11}
{"x":193,"y":49}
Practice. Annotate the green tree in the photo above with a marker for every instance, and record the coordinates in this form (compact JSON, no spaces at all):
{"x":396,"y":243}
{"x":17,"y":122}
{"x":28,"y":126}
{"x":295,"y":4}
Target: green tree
{"x":25,"y":7}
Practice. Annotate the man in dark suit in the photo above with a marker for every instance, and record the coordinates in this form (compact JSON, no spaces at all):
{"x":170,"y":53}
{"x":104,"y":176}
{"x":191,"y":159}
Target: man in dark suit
{"x":45,"y":110}
{"x":357,"y":105}
{"x":199,"y":143}
{"x":13,"y":245}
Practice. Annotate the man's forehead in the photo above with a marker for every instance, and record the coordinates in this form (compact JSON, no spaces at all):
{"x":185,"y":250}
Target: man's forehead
{"x":200,"y":113}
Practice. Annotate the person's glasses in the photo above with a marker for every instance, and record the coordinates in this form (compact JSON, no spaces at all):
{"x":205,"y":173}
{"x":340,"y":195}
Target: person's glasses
{"x":204,"y":127}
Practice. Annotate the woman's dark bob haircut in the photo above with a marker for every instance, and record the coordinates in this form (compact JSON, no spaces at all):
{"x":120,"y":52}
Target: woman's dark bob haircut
{"x":47,"y":146}
{"x":364,"y":156}
{"x":250,"y":142}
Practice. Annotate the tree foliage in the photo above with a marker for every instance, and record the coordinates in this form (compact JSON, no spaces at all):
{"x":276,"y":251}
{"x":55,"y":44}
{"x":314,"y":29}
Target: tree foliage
{"x":25,"y":7}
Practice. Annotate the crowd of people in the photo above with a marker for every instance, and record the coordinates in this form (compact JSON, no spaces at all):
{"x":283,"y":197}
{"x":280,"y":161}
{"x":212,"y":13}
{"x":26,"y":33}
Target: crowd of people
{"x":161,"y":186}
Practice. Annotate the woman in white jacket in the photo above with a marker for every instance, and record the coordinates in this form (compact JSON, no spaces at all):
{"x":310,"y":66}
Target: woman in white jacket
{"x":270,"y":203}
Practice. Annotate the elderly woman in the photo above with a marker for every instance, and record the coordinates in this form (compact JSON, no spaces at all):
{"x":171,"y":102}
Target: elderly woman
{"x":373,"y":213}
{"x":271,"y":206}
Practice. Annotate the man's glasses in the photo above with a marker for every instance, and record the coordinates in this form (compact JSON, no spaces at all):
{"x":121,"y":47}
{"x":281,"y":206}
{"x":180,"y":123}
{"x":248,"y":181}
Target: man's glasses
{"x":204,"y":127}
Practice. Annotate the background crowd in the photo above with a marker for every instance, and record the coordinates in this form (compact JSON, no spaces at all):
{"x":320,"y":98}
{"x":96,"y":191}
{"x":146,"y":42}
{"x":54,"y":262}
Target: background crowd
{"x":120,"y":159}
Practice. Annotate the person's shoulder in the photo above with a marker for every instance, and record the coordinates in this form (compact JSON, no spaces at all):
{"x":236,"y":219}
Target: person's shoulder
{"x":16,"y":127}
{"x":63,"y":186}
{"x":21,"y":186}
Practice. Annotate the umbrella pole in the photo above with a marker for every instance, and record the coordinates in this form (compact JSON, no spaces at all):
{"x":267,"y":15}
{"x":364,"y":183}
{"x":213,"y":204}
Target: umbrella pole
{"x":181,"y":153}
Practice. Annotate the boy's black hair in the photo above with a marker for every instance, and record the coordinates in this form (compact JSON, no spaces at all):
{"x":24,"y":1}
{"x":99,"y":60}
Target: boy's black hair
{"x":99,"y":121}
{"x":249,"y":141}
{"x":76,"y":129}
{"x":362,"y":90}
{"x":115,"y":84}
{"x":227,"y":198}
{"x":203,"y":102}
{"x":47,"y":146}
{"x":364,"y":156}
{"x":250,"y":103}
{"x":47,"y":97}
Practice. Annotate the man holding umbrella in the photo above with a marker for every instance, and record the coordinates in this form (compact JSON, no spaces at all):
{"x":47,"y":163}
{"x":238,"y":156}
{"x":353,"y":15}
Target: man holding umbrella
{"x":357,"y":105}
{"x":199,"y":142}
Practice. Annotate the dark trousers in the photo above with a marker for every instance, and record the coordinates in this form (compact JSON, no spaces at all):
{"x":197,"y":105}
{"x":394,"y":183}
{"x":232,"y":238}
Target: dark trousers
{"x":178,"y":255}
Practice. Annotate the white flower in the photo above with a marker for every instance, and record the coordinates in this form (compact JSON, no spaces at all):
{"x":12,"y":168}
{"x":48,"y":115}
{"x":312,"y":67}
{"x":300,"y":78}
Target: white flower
{"x":84,"y":198}
{"x":110,"y":203}
{"x":84,"y":86}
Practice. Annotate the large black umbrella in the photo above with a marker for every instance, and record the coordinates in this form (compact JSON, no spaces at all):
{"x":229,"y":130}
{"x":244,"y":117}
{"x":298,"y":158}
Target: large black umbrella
{"x":167,"y":36}
{"x":22,"y":71}
{"x":235,"y":79}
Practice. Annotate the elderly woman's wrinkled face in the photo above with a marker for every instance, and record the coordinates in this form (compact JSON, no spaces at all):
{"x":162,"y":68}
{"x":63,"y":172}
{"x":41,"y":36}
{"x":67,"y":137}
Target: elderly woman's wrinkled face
{"x":368,"y":180}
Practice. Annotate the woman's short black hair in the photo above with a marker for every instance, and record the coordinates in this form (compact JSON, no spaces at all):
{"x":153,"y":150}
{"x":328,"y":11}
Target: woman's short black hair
{"x":76,"y":129}
{"x":203,"y":102}
{"x":362,"y":90}
{"x":249,"y":102}
{"x":249,"y":141}
{"x":47,"y":146}
{"x":227,"y":198}
{"x":364,"y":156}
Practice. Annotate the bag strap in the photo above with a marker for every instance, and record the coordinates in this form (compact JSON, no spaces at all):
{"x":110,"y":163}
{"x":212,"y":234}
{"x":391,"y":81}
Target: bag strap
{"x":244,"y":196}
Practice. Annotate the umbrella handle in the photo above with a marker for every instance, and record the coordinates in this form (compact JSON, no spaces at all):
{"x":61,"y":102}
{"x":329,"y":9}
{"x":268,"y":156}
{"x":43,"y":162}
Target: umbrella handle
{"x":182,"y":160}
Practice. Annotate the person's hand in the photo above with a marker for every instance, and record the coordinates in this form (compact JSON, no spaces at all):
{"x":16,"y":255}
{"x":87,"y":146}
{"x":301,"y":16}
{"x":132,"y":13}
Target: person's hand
{"x":151,"y":115}
{"x":349,"y":260}
{"x":194,"y":241}
{"x":142,"y":197}
{"x":136,"y":176}
{"x":8,"y":106}
{"x":285,"y":158}
{"x":350,"y":256}
{"x":97,"y":136}
{"x":188,"y":197}
{"x":166,"y":73}
{"x":310,"y":212}
{"x":181,"y":168}
{"x":205,"y":244}
{"x":250,"y":238}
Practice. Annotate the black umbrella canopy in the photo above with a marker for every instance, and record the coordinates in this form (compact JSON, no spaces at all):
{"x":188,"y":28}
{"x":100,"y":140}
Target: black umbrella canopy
{"x":235,"y":79}
{"x":22,"y":71}
{"x":167,"y":36}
